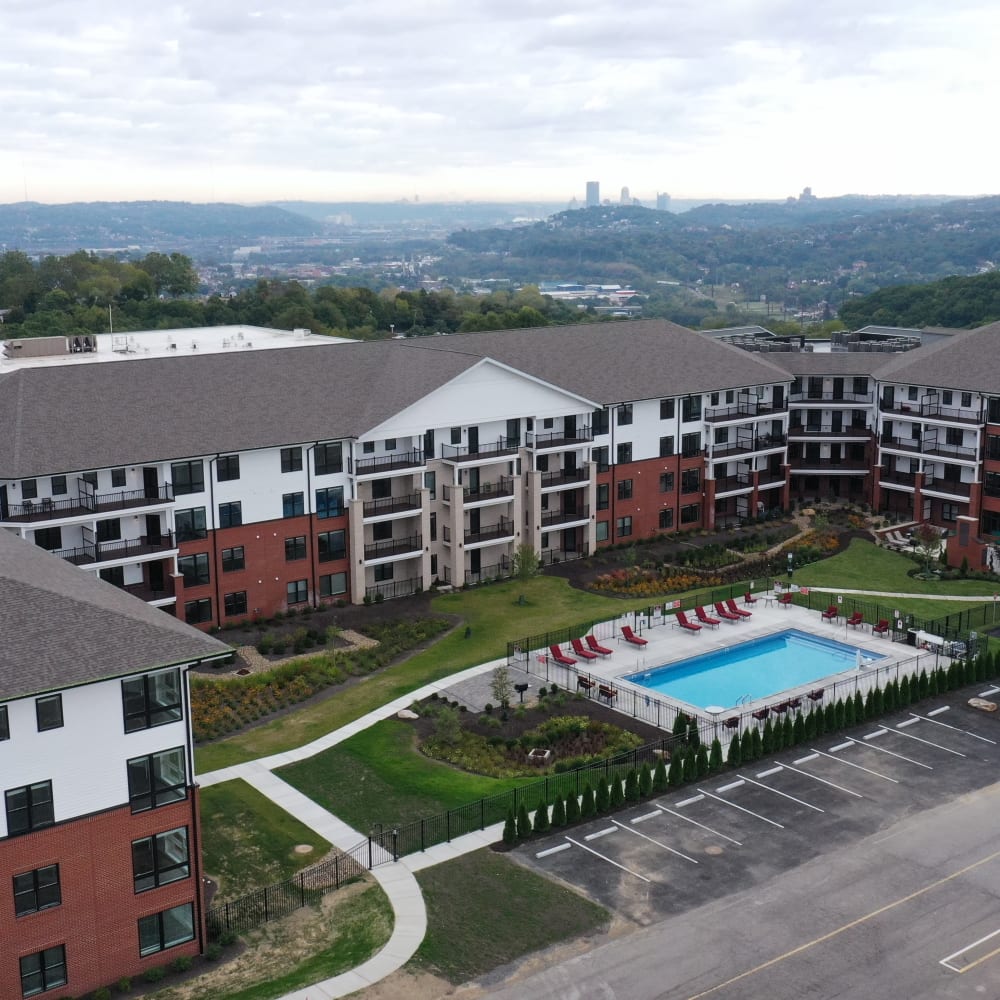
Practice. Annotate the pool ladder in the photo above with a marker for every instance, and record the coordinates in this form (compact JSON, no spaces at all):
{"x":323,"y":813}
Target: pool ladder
{"x":744,"y":700}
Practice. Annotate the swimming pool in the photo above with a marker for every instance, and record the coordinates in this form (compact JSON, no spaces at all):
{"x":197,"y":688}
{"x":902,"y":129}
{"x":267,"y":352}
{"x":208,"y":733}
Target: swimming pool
{"x":752,"y":670}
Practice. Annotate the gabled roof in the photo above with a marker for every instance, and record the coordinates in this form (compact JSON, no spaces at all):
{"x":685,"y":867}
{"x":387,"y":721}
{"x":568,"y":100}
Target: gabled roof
{"x":61,"y":627}
{"x":970,"y":363}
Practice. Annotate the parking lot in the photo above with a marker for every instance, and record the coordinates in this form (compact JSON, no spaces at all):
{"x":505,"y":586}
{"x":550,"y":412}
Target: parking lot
{"x":742,"y":831}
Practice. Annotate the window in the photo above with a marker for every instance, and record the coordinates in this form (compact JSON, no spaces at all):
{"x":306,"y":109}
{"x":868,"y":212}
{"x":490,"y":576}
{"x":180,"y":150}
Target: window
{"x":198,"y":611}
{"x":227,"y":468}
{"x":332,"y":584}
{"x":730,"y":396}
{"x":603,"y":498}
{"x":230,"y":514}
{"x":946,"y":397}
{"x":624,"y":414}
{"x":666,"y":446}
{"x":382,"y":532}
{"x":109,"y":530}
{"x":383,"y":573}
{"x":4,"y":723}
{"x":429,"y":443}
{"x":666,"y":482}
{"x":690,"y":481}
{"x":368,"y":448}
{"x":37,"y":890}
{"x":430,"y":484}
{"x":690,"y":445}
{"x":954,"y":436}
{"x":49,"y":712}
{"x":45,"y":970}
{"x":860,"y":386}
{"x":390,"y":444}
{"x":49,"y":539}
{"x":156,"y":780}
{"x":721,"y":435}
{"x":330,"y":502}
{"x":233,"y":559}
{"x":456,"y":435}
{"x":29,"y":807}
{"x":624,"y":453}
{"x":600,"y":421}
{"x":601,"y":457}
{"x":691,"y":408}
{"x":297,"y":591}
{"x":966,"y":399}
{"x":291,"y":459}
{"x":293,"y":504}
{"x":713,"y":399}
{"x":434,"y":526}
{"x":624,"y":489}
{"x":235,"y":603}
{"x":117,"y":478}
{"x":949,"y":512}
{"x":547,"y":423}
{"x":160,"y":931}
{"x":295,"y":548}
{"x":161,"y":859}
{"x":623,"y":527}
{"x":194,"y":569}
{"x":190,"y":524}
{"x":188,"y":477}
{"x":328,"y":458}
{"x":911,"y":393}
{"x":666,"y":518}
{"x":690,"y":513}
{"x":545,"y":539}
{"x":151,"y":700}
{"x":29,"y":489}
{"x":602,"y":531}
{"x":58,"y":486}
{"x":666,"y":409}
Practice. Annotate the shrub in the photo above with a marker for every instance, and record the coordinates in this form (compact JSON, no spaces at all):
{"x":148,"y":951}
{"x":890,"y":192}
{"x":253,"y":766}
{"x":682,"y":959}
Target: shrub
{"x":510,"y":828}
{"x":859,"y":708}
{"x":523,"y":822}
{"x":632,"y":786}
{"x":660,"y":775}
{"x":645,"y":780}
{"x":155,"y":974}
{"x":181,"y":964}
{"x":572,"y":807}
{"x":559,"y":812}
{"x":798,"y":729}
{"x":213,"y":952}
{"x":602,"y":798}
{"x":788,"y":734}
{"x":746,"y":746}
{"x":541,"y":823}
{"x":715,"y":757}
{"x":701,"y":761}
{"x":734,"y":758}
{"x":688,"y":772}
{"x":767,"y":740}
{"x":675,"y":776}
{"x":102,"y":994}
{"x":125,"y":983}
{"x":848,"y":713}
{"x":756,"y":744}
{"x":227,"y":938}
{"x":904,"y":692}
{"x":488,"y":708}
{"x":589,"y":805}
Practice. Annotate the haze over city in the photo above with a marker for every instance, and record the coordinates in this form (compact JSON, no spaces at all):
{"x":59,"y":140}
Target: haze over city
{"x":483,"y":100}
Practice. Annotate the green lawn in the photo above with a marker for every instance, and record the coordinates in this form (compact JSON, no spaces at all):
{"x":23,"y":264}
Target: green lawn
{"x":248,"y":841}
{"x":379,"y":776}
{"x":521,"y":913}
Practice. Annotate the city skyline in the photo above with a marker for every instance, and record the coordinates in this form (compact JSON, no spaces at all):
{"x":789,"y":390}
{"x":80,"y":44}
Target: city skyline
{"x":483,"y":102}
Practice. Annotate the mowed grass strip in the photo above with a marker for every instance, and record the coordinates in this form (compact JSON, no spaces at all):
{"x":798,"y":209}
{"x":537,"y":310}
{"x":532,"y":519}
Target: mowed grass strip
{"x":484,"y":911}
{"x":379,"y":776}
{"x":248,"y":842}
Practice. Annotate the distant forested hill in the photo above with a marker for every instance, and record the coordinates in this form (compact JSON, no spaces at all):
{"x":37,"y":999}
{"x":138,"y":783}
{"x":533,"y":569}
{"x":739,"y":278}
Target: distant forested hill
{"x":953,"y":302}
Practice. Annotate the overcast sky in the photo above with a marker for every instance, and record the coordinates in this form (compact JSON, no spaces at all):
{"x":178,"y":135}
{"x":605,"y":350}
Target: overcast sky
{"x":496,"y":99}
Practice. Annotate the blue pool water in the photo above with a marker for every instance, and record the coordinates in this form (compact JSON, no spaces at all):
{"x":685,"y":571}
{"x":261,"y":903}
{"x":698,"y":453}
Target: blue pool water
{"x":759,"y":668}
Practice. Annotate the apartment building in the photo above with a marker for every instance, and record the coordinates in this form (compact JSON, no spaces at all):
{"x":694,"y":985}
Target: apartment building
{"x":99,"y":835}
{"x":222,"y":484}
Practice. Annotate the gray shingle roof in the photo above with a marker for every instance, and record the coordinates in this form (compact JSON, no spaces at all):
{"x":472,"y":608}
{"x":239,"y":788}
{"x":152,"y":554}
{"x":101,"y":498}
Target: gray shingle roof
{"x":62,"y":627}
{"x":970,"y":362}
{"x":823,"y":363}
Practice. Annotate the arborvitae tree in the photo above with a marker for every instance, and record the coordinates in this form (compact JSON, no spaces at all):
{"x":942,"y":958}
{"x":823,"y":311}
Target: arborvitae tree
{"x":980,"y":667}
{"x":660,"y":775}
{"x":879,"y":707}
{"x":746,"y":746}
{"x":970,"y":672}
{"x":840,"y":714}
{"x":798,"y":729}
{"x":923,"y":685}
{"x":904,"y":692}
{"x":541,"y":823}
{"x":701,"y":761}
{"x":523,"y":822}
{"x":559,"y":812}
{"x":830,"y":718}
{"x":809,"y":726}
{"x":676,"y":774}
{"x":680,"y":725}
{"x":818,"y":723}
{"x":778,"y":735}
{"x":632,"y":786}
{"x":510,"y":828}
{"x":572,"y":807}
{"x":848,"y":713}
{"x":932,"y":684}
{"x":694,"y":737}
{"x":589,"y":805}
{"x":788,"y":736}
{"x":689,"y":771}
{"x":767,"y":740}
{"x":715,"y":757}
{"x":869,"y":710}
{"x":756,"y":744}
{"x":859,"y":708}
{"x":602,"y":798}
{"x":617,"y":795}
{"x":645,"y":780}
{"x":734,"y":758}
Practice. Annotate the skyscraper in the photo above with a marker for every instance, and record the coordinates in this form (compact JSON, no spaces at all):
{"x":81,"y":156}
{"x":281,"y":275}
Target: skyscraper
{"x":663,"y":202}
{"x":593,"y":193}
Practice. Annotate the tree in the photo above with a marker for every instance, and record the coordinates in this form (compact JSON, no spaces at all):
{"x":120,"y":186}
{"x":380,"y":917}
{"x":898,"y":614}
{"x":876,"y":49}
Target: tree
{"x":447,"y":726}
{"x":926,"y":542}
{"x":501,"y":687}
{"x":523,"y":822}
{"x":524,"y":563}
{"x":589,"y":805}
{"x":541,"y":817}
{"x":572,"y":808}
{"x":510,"y":828}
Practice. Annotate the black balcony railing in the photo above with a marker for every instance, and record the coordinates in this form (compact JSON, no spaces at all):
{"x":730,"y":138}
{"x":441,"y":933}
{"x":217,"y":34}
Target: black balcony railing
{"x":563,"y":477}
{"x":579,"y":513}
{"x":47,"y":509}
{"x":830,"y":397}
{"x":393,"y":588}
{"x":497,"y":571}
{"x":388,"y":463}
{"x":727,"y":484}
{"x":930,"y":409}
{"x":720,"y":414}
{"x":122,"y":548}
{"x":894,"y":477}
{"x":503,"y":487}
{"x":559,"y":439}
{"x":952,"y":487}
{"x":483,"y":450}
{"x":391,"y":505}
{"x":392,"y":547}
{"x":491,"y":532}
{"x":827,"y":430}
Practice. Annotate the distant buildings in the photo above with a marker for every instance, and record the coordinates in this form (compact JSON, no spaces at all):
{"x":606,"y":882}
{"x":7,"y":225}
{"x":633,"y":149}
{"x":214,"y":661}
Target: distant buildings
{"x":663,"y":202}
{"x":593,"y":194}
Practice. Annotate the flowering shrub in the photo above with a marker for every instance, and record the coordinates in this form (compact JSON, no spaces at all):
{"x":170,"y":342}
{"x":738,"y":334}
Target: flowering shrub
{"x":636,"y":582}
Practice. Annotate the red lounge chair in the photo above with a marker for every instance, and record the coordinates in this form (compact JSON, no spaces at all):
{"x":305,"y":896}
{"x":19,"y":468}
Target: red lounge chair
{"x":682,"y":621}
{"x":882,"y":628}
{"x":723,"y":612}
{"x":785,"y":599}
{"x":560,"y":657}
{"x":737,"y":610}
{"x":830,"y":614}
{"x":597,"y":647}
{"x":631,"y":637}
{"x":856,"y":619}
{"x":584,"y":654}
{"x":704,"y":618}
{"x":748,"y":598}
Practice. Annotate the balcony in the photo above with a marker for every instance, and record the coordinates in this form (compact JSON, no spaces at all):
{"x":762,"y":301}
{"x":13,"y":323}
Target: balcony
{"x":733,"y":484}
{"x":391,"y":505}
{"x":388,"y":463}
{"x":826,"y":467}
{"x":563,"y":477}
{"x":807,"y":397}
{"x":484,"y":451}
{"x":120,"y":549}
{"x":553,"y":517}
{"x":504,"y":530}
{"x":946,"y":487}
{"x":892,"y":478}
{"x":393,"y":588}
{"x":145,"y":593}
{"x":828,"y":430}
{"x":929,"y":445}
{"x":499,"y":490}
{"x":743,"y":446}
{"x":742,"y":411}
{"x":387,"y":547}
{"x":559,"y":439}
{"x":932,"y":410}
{"x":84,"y":505}
{"x":484,"y":574}
{"x":768,"y":480}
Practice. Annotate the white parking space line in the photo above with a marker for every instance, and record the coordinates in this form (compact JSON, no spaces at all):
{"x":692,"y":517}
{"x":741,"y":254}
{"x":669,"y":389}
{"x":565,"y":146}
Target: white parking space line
{"x":913,"y":721}
{"x":988,"y":692}
{"x":694,"y":822}
{"x":938,"y":711}
{"x":730,"y":786}
{"x":600,"y":833}
{"x":823,"y":781}
{"x":769,"y":772}
{"x":604,"y":857}
{"x":690,"y":801}
{"x":842,"y":746}
{"x":847,"y":763}
{"x":553,"y":850}
{"x":892,"y":753}
{"x":652,"y":815}
{"x":806,"y":759}
{"x":658,"y":843}
{"x":872,"y":736}
{"x":784,"y":795}
{"x":929,"y":743}
{"x":946,"y":962}
{"x":945,"y":725}
{"x":733,"y":805}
